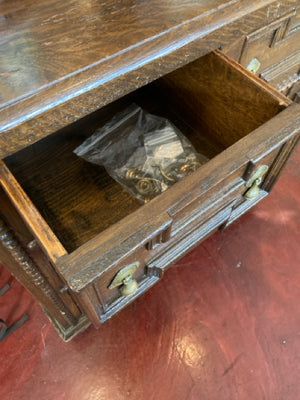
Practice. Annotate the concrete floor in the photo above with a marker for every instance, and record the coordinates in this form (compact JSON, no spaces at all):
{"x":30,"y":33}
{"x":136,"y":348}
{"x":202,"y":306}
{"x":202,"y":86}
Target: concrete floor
{"x":224,"y":323}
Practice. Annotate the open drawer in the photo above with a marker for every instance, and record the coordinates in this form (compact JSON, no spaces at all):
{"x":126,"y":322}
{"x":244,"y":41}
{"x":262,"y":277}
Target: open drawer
{"x":107,"y":247}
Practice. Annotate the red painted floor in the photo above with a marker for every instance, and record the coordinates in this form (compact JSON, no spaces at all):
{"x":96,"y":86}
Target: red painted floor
{"x":224,"y":323}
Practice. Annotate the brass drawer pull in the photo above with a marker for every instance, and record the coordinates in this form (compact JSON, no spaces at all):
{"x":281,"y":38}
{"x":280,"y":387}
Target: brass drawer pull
{"x":124,"y":278}
{"x":254,"y":182}
{"x":253,"y":192}
{"x":254,"y":65}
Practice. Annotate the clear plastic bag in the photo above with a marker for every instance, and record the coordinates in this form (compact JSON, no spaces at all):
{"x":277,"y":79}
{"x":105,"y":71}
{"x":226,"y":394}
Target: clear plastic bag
{"x":145,"y":153}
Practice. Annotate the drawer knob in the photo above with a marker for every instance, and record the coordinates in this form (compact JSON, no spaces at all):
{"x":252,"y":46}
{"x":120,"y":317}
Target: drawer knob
{"x":253,"y":192}
{"x":254,"y":65}
{"x":124,"y":279}
{"x":129,"y":287}
{"x":254,"y":182}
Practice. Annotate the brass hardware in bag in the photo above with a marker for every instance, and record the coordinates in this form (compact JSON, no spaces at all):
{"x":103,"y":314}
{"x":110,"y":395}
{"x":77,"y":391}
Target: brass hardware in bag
{"x":124,"y":278}
{"x":254,"y":182}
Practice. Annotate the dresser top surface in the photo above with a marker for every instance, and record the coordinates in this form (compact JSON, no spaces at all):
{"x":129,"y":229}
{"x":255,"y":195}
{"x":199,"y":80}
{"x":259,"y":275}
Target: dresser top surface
{"x":52,"y":52}
{"x":43,"y":42}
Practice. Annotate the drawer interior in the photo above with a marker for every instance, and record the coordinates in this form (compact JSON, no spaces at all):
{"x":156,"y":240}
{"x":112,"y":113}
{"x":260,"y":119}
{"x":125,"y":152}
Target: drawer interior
{"x":210,"y":100}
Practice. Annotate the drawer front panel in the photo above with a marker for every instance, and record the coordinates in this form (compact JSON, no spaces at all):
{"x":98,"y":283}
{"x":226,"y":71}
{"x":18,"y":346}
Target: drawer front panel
{"x":271,"y":44}
{"x":276,"y":165}
{"x":285,"y":75}
{"x":101,"y":305}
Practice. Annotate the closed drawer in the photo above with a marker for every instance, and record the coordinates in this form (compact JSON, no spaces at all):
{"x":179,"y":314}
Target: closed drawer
{"x":285,"y":75}
{"x":271,"y":44}
{"x":106,"y":246}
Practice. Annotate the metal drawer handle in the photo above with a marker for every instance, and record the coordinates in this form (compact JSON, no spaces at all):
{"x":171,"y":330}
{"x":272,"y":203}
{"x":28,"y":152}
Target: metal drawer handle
{"x":254,"y":182}
{"x":124,"y":278}
{"x":254,"y":65}
{"x":253,"y":192}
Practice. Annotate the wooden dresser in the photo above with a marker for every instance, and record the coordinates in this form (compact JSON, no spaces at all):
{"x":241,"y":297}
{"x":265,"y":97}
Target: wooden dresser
{"x":67,"y":229}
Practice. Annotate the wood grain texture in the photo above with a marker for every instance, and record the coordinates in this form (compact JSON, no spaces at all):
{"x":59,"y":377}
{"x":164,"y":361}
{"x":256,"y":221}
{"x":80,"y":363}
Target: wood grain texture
{"x":20,"y":250}
{"x":67,"y":38}
{"x":78,"y":199}
{"x":23,"y":257}
{"x":30,"y":244}
{"x":275,"y":45}
{"x":38,"y":226}
{"x":285,"y":75}
{"x":270,"y":41}
{"x":10,"y":243}
{"x":216,"y":92}
{"x":82,"y":63}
